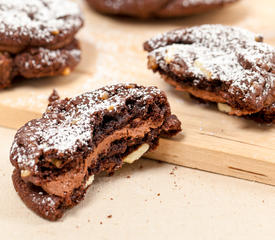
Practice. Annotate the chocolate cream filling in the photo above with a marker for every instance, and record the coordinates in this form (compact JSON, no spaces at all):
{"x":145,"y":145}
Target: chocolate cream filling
{"x":65,"y":183}
{"x":211,"y":97}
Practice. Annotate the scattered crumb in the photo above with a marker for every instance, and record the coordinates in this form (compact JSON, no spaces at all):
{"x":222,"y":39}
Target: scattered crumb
{"x":77,"y":226}
{"x":89,"y":220}
{"x":100,"y":222}
{"x":128,"y":177}
{"x":173,"y":171}
{"x":110,"y":216}
{"x":158,"y":194}
{"x":263,"y":201}
{"x":54,"y":96}
{"x":111,"y":198}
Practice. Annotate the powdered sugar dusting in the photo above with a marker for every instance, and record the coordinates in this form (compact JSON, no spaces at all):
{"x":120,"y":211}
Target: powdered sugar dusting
{"x":191,"y":3}
{"x":45,"y":201}
{"x":38,"y":19}
{"x":47,"y":57}
{"x":232,"y":55}
{"x":68,"y":124}
{"x":117,"y":4}
{"x":40,"y":199}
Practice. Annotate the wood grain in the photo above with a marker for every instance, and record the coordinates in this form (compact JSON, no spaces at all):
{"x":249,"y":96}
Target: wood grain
{"x":112,"y":53}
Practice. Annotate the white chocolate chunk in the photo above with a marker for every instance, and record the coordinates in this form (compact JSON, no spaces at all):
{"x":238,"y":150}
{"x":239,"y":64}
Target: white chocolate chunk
{"x":170,"y":54}
{"x":89,"y":181}
{"x":137,"y":153}
{"x":200,"y":66}
{"x":224,"y":108}
{"x":25,"y":173}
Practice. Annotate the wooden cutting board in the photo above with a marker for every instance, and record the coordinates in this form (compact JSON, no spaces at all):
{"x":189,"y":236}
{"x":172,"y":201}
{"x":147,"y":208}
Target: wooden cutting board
{"x":112,"y":53}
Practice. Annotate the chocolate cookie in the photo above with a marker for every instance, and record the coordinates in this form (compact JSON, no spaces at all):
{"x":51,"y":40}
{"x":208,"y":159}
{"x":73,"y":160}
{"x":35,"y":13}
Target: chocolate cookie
{"x":56,"y":157}
{"x":156,"y":8}
{"x":222,"y":64}
{"x":40,"y":32}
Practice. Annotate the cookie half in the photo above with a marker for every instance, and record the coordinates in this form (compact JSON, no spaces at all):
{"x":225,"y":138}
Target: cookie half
{"x":56,"y":157}
{"x":222,"y":64}
{"x":156,"y":8}
{"x":37,"y":38}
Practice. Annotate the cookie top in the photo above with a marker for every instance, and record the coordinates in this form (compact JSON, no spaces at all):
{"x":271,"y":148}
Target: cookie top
{"x":235,"y":60}
{"x":155,"y":8}
{"x":67,"y":125}
{"x":38,"y":22}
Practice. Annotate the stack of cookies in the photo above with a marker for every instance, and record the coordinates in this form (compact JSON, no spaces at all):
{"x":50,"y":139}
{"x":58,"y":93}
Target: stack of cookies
{"x":37,"y":38}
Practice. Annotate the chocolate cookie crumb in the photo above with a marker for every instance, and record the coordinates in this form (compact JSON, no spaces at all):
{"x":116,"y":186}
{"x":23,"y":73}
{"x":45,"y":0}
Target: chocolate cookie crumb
{"x":54,"y":96}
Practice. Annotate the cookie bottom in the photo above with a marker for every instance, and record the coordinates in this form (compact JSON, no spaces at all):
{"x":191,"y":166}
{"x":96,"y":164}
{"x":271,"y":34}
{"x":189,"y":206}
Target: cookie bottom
{"x":47,"y":206}
{"x":176,"y":8}
{"x":38,"y":62}
{"x":151,"y":9}
{"x":124,"y":150}
{"x":266,"y":115}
